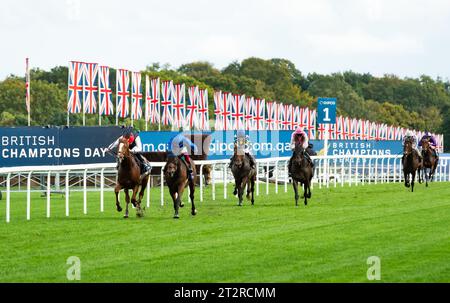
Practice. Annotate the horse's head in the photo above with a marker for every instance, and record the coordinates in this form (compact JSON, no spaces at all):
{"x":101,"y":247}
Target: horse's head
{"x":299,"y":151}
{"x":425,"y":143}
{"x":408,"y":147}
{"x":123,"y":150}
{"x":171,"y":167}
{"x":239,"y":154}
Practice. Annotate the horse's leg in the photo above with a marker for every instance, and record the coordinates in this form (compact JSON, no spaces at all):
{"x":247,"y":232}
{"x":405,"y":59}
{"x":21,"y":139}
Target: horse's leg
{"x":191,"y":195}
{"x":252,"y":182}
{"x":419,"y":175}
{"x":295,"y":185}
{"x":117,"y":191}
{"x":406,"y":178}
{"x":143,"y":187}
{"x":305,"y":192}
{"x":174,"y":196}
{"x":136,"y":203}
{"x":127,"y":199}
{"x":309,"y":189}
{"x":413,"y":176}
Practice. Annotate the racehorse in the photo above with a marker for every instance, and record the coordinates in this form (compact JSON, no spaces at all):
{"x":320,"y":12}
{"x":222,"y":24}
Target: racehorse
{"x":430,"y":161}
{"x":411,"y":163}
{"x":176,"y":176}
{"x":244,"y":174}
{"x":129,"y":177}
{"x":301,"y":171}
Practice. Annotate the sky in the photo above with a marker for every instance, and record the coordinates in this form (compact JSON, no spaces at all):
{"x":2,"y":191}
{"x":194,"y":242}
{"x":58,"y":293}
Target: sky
{"x":407,"y":38}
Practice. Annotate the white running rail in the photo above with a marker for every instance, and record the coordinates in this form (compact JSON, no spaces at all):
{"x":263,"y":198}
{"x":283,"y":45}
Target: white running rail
{"x":329,"y":171}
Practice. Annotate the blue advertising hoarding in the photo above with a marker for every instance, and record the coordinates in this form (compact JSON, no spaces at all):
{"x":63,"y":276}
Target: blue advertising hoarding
{"x":29,"y":146}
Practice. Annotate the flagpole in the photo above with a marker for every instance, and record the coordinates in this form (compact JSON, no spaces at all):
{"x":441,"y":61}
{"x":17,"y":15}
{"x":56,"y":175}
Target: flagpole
{"x":68,"y":81}
{"x":84,"y":105}
{"x":28,"y":97}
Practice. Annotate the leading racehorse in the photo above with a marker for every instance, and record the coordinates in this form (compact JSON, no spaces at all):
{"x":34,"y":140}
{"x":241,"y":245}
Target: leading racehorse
{"x":430,"y":161}
{"x":244,"y":174}
{"x":176,"y":176}
{"x":411,"y":163}
{"x":129,"y":177}
{"x":301,"y":171}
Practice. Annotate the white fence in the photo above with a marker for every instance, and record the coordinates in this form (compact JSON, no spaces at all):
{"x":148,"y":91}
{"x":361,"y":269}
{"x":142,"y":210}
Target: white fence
{"x":329,"y":171}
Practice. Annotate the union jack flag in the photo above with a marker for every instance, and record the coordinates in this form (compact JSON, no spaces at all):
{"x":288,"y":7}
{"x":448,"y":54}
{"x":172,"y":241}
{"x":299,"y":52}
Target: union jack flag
{"x":249,"y":113}
{"x":287,"y":116}
{"x":217,"y":110}
{"x":123,"y":93}
{"x":260,"y":114}
{"x":321,"y":130}
{"x":225,"y":110}
{"x":178,"y":105}
{"x":295,"y":117}
{"x":90,"y":87}
{"x":338,"y":128}
{"x":152,"y":93}
{"x":203,"y":110}
{"x":270,"y":118}
{"x":106,"y":102}
{"x":332,"y":131}
{"x":303,"y":118}
{"x":237,"y":111}
{"x":312,"y":124}
{"x":136,"y":96}
{"x":281,"y":117}
{"x":192,"y":107}
{"x":75,"y":89}
{"x":166,"y":103}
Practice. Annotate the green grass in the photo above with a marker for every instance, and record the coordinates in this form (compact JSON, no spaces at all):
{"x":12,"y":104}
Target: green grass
{"x":327,"y":241}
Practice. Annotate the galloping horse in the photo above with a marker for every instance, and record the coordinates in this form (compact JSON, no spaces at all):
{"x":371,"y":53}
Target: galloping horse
{"x":430,"y":161}
{"x":244,"y":174}
{"x":129,"y":177}
{"x":301,"y":171}
{"x":411,"y":163}
{"x":176,"y":176}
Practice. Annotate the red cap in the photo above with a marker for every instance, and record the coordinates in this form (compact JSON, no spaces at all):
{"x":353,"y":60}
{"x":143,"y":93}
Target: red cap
{"x":131,"y":139}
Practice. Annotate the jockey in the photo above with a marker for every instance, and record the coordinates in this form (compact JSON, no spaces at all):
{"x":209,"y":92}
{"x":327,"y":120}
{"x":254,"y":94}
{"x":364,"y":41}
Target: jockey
{"x":242,"y":138}
{"x":178,"y":147}
{"x":431,"y":139}
{"x":409,"y":135}
{"x":135,"y":146}
{"x":300,"y":137}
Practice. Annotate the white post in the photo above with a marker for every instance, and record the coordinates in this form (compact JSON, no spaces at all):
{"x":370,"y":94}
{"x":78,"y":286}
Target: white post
{"x":376,"y":170}
{"x":162,"y":187}
{"x":213,"y":183}
{"x":8,"y":197}
{"x":350,"y":172}
{"x":276,"y":177}
{"x":364,"y":171}
{"x":335,"y":172}
{"x":286,"y":176}
{"x":257,"y":178}
{"x":148,"y":191}
{"x":356,"y":171}
{"x":267,"y":178}
{"x":67,"y":192}
{"x":225,"y":181}
{"x":29,"y":196}
{"x":48,"y":194}
{"x":201,"y":183}
{"x":325,"y":148}
{"x":85,"y":192}
{"x":102,"y":186}
{"x":342,"y":171}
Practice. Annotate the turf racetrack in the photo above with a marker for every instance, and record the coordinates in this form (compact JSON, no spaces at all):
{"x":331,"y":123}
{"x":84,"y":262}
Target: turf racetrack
{"x":329,"y":240}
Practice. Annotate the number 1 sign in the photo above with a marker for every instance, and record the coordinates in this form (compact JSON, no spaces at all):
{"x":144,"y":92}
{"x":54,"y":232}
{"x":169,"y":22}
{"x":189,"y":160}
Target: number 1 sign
{"x":326,"y":110}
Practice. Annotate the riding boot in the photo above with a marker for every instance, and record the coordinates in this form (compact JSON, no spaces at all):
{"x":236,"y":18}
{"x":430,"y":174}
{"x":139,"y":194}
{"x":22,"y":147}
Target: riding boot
{"x":188,"y":164}
{"x":231,"y":162}
{"x":252,"y":160}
